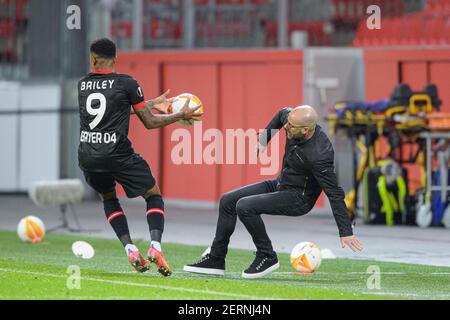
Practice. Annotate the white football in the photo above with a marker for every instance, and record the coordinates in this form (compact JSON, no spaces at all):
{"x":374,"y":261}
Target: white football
{"x":82,"y":249}
{"x":31,"y":229}
{"x":180,"y":101}
{"x":306,"y":257}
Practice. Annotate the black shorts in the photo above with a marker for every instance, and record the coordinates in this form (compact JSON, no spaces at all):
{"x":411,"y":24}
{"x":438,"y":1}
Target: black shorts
{"x":135,"y":179}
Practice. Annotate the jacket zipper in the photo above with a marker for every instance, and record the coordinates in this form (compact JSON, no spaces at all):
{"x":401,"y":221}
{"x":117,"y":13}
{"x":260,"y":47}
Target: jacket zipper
{"x":284,"y":169}
{"x":282,"y":174}
{"x":299,"y":157}
{"x":304,"y":186}
{"x":306,"y":178}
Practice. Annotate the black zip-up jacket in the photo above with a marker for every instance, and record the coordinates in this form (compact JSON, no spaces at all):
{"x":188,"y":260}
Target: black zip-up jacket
{"x":308,"y":167}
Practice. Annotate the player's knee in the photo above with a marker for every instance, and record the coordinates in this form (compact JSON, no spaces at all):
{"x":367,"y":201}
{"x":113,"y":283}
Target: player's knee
{"x":108,"y":196}
{"x":152,"y":192}
{"x":227,"y":201}
{"x":155,"y":201}
{"x":243,"y":207}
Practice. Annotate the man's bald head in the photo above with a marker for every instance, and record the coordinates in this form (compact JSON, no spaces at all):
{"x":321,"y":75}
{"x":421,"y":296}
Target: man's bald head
{"x":301,"y":122}
{"x":303,"y":116}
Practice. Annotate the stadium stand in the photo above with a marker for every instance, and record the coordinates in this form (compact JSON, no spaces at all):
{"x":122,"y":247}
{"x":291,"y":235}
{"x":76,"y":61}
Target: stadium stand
{"x":431,"y":26}
{"x":250,"y":23}
{"x":13,"y":22}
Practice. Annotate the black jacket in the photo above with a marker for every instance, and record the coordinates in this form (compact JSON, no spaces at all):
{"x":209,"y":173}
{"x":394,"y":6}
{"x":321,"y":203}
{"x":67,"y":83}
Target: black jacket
{"x":308,"y":167}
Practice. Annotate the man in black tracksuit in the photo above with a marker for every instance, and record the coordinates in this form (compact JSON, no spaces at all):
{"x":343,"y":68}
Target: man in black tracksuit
{"x":308,"y":168}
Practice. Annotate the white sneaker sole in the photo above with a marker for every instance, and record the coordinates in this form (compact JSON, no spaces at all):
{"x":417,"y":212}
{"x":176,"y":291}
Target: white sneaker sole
{"x":216,"y":272}
{"x":261,"y":274}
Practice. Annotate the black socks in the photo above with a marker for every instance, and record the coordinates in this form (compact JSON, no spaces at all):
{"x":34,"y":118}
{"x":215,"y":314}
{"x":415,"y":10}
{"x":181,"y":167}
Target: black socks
{"x":155,"y":217}
{"x":116,"y":217}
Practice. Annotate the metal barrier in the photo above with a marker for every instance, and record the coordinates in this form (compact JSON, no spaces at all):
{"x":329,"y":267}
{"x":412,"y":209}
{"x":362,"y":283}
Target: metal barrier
{"x":215,"y":23}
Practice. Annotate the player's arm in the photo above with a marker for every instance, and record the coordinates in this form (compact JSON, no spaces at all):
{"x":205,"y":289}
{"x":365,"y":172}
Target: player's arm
{"x":136,"y":97}
{"x":153,"y":121}
{"x":142,"y":108}
{"x":161,"y":103}
{"x":132,"y":112}
{"x":324,"y":172}
{"x":277,"y":122}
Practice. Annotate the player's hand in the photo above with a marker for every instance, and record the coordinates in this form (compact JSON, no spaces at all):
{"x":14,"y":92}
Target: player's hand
{"x":162,"y":103}
{"x":190,"y":113}
{"x":352,"y":242}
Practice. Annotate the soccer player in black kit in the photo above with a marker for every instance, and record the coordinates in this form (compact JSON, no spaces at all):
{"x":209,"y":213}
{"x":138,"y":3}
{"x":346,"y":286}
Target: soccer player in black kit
{"x":308,"y":168}
{"x":106,"y":100}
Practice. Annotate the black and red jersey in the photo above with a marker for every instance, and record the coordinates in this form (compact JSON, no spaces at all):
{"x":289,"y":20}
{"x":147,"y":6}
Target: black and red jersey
{"x":104,"y":100}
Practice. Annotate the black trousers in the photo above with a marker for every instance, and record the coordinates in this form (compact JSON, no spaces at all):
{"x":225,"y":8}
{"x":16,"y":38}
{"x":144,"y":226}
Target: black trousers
{"x":248,"y":203}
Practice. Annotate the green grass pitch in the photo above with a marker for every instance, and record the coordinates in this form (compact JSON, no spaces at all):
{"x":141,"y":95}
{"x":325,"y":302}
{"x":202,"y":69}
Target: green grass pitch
{"x":39,"y":271}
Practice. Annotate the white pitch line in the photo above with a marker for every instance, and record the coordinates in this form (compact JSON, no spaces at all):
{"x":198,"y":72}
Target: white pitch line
{"x":135,"y":284}
{"x":440,"y":273}
{"x":322,"y":273}
{"x":71,"y":297}
{"x":401,"y":294}
{"x":182,"y":289}
{"x":238,"y":273}
{"x":393,"y":294}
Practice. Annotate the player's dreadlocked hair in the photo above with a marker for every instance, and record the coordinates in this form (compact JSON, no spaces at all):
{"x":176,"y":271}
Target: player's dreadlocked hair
{"x":104,"y":48}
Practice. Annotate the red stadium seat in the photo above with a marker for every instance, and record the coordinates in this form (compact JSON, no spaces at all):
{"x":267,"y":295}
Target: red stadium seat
{"x":230,"y":2}
{"x":432,"y":28}
{"x":437,"y":6}
{"x":6,"y":28}
{"x":361,"y":37}
{"x":413,"y":29}
{"x":446,"y":28}
{"x":396,"y":30}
